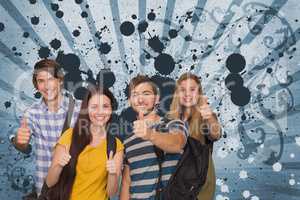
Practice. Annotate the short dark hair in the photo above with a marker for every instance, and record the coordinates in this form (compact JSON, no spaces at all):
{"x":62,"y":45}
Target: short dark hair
{"x":139,"y":79}
{"x":47,"y":65}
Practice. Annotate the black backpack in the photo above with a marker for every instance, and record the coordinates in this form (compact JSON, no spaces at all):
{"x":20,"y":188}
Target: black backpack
{"x":190,"y":174}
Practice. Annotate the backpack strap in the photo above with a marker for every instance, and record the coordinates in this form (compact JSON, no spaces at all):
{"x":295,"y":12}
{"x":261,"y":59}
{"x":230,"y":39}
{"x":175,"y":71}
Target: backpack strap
{"x":111,"y":144}
{"x":160,"y":158}
{"x":45,"y":188}
{"x":69,"y":114}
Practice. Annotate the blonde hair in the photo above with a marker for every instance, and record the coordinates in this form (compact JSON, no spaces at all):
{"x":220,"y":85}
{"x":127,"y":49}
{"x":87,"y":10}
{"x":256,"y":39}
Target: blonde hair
{"x":176,"y":110}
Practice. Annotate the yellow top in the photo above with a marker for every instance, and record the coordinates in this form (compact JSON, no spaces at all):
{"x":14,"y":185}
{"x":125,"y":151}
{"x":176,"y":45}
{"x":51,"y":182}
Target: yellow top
{"x":91,"y":174}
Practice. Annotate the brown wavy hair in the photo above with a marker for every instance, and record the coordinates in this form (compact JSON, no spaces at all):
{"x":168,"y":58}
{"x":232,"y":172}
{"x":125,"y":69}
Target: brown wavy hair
{"x":195,"y":120}
{"x":50,"y":66}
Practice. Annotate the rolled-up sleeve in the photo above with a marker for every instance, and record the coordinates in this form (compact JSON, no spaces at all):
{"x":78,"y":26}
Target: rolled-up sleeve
{"x":179,"y":125}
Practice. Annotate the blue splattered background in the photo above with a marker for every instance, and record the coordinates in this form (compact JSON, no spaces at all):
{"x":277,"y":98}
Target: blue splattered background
{"x":246,"y":53}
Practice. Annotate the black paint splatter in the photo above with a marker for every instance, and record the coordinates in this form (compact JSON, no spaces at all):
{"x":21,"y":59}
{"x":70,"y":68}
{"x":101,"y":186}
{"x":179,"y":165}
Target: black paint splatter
{"x":76,"y":33}
{"x":164,"y":63}
{"x":44,"y":52}
{"x":55,"y":44}
{"x":235,"y":63}
{"x":233,"y":80}
{"x":35,"y":20}
{"x":37,"y":95}
{"x":98,"y":35}
{"x":142,"y":26}
{"x":151,"y":16}
{"x":194,"y":57}
{"x":104,"y":48}
{"x":78,"y":1}
{"x":25,"y":34}
{"x":69,"y":62}
{"x":72,"y":79}
{"x":54,"y":6}
{"x":133,"y":16}
{"x":188,"y":38}
{"x":173,"y":33}
{"x":156,"y":44}
{"x":106,"y":78}
{"x":2,"y":27}
{"x":59,"y":14}
{"x":244,"y":117}
{"x":84,"y":14}
{"x":32,"y":1}
{"x":240,"y":96}
{"x":127,"y":28}
{"x":7,"y":104}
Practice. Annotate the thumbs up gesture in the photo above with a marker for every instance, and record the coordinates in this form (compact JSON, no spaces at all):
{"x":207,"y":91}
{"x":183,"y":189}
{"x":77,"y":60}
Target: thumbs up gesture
{"x":205,"y":109}
{"x":111,"y":164}
{"x":140,"y":128}
{"x":63,"y":157}
{"x":23,"y":134}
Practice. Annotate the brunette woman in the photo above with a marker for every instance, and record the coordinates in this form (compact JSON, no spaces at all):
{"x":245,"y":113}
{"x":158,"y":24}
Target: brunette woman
{"x":80,"y":166}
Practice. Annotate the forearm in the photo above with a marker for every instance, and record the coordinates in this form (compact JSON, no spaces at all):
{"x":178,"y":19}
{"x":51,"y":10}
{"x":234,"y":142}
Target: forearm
{"x":53,"y":175}
{"x":112,"y":184}
{"x":126,"y":181}
{"x":170,"y":142}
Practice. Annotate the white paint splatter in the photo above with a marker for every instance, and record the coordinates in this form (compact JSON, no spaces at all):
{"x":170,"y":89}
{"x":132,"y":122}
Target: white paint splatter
{"x":224,"y":188}
{"x":246,"y":194}
{"x":277,"y":167}
{"x":219,"y":182}
{"x":297,"y":140}
{"x":250,"y":160}
{"x":243,"y":174}
{"x":292,"y":182}
{"x":254,"y":198}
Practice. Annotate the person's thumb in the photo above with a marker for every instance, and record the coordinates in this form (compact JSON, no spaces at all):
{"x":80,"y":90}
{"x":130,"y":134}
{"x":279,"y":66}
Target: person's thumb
{"x":141,"y":115}
{"x":67,"y":150}
{"x":204,"y":100}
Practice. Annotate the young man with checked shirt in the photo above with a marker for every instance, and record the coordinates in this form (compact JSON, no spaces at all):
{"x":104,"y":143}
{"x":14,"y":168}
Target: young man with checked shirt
{"x":44,"y":120}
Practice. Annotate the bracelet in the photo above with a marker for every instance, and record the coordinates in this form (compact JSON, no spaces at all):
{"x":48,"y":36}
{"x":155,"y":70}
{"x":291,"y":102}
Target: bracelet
{"x":12,"y":139}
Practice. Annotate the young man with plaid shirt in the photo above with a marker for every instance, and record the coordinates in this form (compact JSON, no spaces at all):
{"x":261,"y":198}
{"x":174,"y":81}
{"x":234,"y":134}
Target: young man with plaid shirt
{"x":44,"y":120}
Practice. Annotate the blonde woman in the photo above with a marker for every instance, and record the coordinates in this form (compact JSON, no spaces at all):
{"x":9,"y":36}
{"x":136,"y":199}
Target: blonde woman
{"x":190,"y":105}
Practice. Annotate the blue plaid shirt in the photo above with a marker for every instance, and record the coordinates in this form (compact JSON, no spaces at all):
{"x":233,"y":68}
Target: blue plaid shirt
{"x":46,"y":128}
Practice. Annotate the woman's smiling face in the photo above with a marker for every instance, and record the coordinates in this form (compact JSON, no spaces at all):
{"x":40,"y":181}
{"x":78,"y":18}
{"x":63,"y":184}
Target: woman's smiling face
{"x":100,"y":110}
{"x":188,"y":92}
